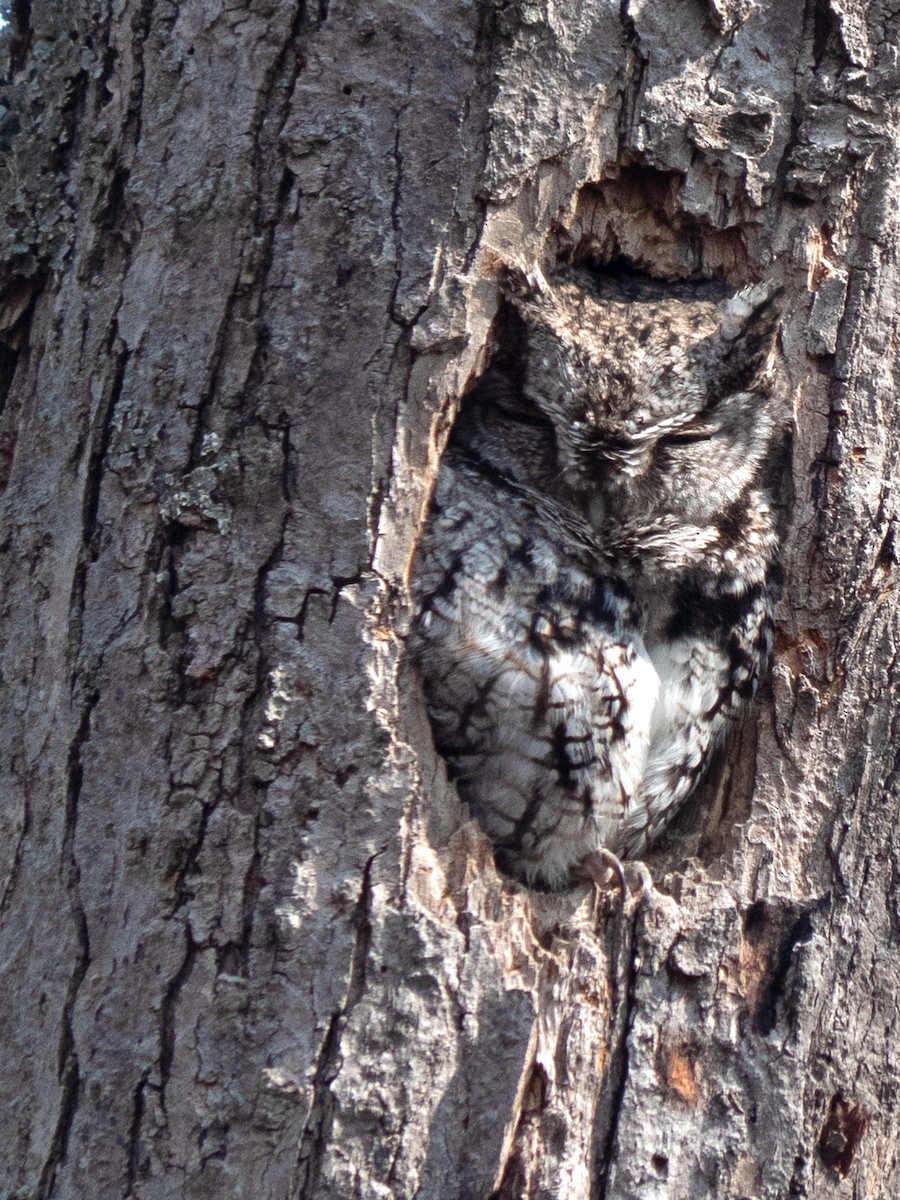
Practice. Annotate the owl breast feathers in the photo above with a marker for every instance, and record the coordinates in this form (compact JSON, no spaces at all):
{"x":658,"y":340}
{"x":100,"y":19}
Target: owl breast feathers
{"x":592,"y":589}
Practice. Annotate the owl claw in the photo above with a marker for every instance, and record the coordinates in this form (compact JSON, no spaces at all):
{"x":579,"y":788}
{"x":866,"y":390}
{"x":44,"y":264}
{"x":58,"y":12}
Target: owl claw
{"x":600,"y":867}
{"x":644,"y":881}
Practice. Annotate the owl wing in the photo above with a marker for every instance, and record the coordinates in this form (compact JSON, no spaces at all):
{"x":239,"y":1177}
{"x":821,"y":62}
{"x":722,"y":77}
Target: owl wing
{"x":709,"y":664}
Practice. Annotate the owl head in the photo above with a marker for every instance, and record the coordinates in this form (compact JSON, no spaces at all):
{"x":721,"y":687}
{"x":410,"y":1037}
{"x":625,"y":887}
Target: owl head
{"x":659,"y":394}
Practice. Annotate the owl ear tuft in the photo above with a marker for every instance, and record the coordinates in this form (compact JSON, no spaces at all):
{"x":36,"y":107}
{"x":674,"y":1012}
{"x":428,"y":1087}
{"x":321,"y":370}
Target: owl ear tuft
{"x":751,"y":305}
{"x":747,"y":332}
{"x":525,"y":285}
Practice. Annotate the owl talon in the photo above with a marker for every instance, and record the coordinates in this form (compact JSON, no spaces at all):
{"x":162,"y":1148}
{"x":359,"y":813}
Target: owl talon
{"x":601,"y":867}
{"x":644,"y":881}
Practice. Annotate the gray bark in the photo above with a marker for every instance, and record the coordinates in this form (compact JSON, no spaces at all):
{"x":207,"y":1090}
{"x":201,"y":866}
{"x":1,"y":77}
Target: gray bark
{"x":251,"y":943}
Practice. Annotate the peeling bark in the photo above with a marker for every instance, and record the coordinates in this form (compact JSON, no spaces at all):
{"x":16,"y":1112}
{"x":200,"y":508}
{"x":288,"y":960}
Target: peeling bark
{"x":252,"y":944}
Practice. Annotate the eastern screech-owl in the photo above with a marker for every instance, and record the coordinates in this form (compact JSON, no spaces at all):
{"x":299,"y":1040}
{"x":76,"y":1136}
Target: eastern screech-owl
{"x":593,"y":586}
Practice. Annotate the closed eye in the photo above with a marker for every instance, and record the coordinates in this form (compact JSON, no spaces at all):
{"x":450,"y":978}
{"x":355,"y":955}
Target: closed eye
{"x":686,"y":437}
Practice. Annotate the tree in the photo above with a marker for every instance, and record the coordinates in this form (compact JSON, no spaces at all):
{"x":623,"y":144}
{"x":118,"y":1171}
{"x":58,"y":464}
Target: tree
{"x":252,"y":945}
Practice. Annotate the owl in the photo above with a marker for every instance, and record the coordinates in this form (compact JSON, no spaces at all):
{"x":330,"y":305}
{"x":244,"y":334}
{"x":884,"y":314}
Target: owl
{"x":593,"y":587}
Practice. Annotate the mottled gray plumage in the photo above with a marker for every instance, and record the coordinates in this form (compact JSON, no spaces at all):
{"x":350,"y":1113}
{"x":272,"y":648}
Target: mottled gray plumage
{"x":593,"y":587}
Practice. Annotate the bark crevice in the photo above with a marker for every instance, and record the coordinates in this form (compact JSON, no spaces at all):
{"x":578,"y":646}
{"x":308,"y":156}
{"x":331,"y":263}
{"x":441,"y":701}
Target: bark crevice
{"x":315,"y":1137}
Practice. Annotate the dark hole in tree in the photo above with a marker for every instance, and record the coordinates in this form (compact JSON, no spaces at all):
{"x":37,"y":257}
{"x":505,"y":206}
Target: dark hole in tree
{"x":841,"y":1135}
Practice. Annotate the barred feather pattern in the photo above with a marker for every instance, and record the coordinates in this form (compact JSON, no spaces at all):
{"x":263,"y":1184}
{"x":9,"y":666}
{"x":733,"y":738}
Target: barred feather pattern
{"x":593,"y":589}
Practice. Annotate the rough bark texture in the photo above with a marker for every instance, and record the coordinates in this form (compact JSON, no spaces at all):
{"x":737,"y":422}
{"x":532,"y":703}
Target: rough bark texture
{"x":251,"y":945}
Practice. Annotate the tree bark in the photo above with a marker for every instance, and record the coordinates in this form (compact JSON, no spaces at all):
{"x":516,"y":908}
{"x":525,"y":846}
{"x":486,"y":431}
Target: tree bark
{"x":252,"y":945}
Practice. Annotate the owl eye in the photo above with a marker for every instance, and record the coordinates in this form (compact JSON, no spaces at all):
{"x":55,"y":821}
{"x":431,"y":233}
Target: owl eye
{"x":686,"y":437}
{"x":608,"y":441}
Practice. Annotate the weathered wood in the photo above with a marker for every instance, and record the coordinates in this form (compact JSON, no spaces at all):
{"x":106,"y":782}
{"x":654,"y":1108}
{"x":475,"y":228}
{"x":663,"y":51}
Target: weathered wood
{"x":251,"y":944}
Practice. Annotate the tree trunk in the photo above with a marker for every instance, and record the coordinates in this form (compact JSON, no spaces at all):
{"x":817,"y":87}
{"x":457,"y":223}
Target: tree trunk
{"x":252,"y":945}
